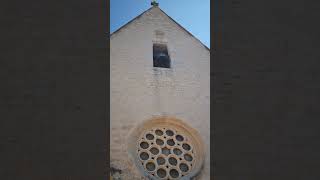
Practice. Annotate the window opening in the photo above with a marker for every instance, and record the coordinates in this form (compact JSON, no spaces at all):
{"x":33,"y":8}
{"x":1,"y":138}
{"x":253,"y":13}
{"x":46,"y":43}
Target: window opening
{"x":160,"y":56}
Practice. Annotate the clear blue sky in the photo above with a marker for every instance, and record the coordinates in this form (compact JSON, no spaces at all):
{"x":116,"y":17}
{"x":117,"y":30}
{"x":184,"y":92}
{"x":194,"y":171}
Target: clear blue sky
{"x":193,"y":15}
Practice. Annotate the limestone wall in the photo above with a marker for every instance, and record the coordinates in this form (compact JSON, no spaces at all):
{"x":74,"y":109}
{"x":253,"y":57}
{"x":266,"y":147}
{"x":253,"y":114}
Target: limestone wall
{"x":139,"y":91}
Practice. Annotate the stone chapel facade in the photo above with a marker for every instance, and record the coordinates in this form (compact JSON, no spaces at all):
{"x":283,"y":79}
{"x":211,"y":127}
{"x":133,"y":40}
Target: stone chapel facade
{"x":159,"y":100}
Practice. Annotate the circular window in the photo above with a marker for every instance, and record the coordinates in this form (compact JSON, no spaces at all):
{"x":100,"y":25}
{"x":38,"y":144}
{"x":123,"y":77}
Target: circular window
{"x":167,"y":149}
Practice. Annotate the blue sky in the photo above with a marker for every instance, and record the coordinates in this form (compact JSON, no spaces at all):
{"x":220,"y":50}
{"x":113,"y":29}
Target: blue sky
{"x":193,"y":15}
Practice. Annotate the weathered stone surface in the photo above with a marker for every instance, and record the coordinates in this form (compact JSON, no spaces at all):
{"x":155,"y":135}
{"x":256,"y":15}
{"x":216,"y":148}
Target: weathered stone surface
{"x":139,"y":91}
{"x":191,"y":146}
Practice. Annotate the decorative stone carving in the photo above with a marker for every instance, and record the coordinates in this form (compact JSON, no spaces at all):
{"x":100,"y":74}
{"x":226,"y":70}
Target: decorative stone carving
{"x":166,"y":148}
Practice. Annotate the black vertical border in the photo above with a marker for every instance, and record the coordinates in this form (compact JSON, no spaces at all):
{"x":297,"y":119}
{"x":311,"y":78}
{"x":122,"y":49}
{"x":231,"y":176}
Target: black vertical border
{"x":54,"y":93}
{"x":217,"y":23}
{"x":216,"y":44}
{"x":107,"y":35}
{"x":265,"y":90}
{"x":213,"y":30}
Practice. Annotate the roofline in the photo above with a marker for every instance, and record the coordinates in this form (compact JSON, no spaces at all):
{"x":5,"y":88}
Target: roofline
{"x":185,"y":30}
{"x":169,"y":18}
{"x":130,"y":21}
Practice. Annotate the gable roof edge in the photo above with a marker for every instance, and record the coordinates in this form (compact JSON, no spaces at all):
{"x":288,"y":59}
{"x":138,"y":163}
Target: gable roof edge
{"x":130,"y":21}
{"x":185,"y":30}
{"x":167,"y":16}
